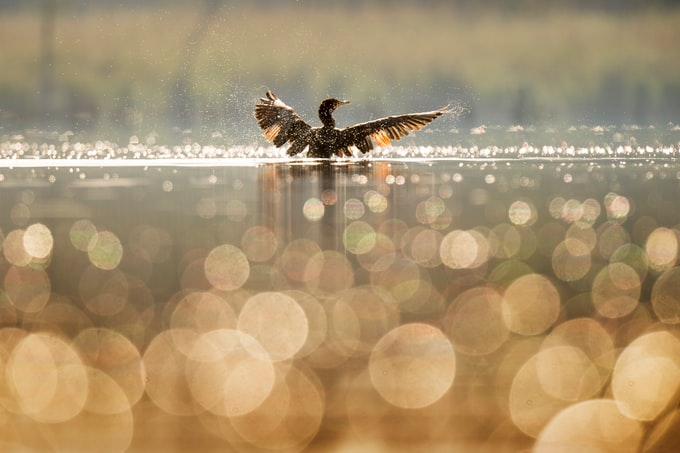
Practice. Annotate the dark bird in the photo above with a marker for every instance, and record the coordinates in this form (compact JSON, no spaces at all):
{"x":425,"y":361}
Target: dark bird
{"x":281,"y":124}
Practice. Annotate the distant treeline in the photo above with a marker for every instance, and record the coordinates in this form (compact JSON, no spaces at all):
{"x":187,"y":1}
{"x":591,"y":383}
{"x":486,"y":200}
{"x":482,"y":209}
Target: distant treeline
{"x":136,"y":67}
{"x":620,"y":6}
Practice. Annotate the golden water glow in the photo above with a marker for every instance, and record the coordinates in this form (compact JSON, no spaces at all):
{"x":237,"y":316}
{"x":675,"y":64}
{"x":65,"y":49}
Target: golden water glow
{"x":352,"y":307}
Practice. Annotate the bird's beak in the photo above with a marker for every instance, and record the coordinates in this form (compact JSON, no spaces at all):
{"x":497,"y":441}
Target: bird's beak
{"x":344,"y":102}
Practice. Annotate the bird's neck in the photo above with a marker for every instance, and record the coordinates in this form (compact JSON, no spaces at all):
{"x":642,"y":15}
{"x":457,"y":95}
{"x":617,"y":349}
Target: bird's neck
{"x":326,"y":117}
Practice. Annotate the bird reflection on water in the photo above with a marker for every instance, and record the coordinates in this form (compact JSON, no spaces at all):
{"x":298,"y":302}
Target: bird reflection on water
{"x":290,"y":306}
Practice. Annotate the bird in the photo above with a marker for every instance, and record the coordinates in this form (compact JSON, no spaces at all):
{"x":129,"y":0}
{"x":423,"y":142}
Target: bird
{"x":281,"y":124}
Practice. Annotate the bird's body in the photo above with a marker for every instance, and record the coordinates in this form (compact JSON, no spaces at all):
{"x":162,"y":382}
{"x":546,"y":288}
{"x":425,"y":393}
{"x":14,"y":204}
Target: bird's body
{"x":281,"y":125}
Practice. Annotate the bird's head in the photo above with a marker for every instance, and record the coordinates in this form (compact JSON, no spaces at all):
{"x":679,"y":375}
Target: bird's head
{"x":329,"y":105}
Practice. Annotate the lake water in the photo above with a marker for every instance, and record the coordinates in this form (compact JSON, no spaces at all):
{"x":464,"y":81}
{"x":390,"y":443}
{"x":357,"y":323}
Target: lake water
{"x":452,"y":298}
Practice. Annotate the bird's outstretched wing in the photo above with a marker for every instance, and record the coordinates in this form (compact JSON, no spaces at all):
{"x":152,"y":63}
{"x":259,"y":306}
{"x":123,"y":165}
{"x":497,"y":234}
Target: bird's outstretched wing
{"x":281,"y":124}
{"x":386,"y":129}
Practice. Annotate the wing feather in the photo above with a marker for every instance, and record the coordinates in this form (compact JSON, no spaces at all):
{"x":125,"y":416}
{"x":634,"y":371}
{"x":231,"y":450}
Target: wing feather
{"x":280,"y":123}
{"x":384,"y":130}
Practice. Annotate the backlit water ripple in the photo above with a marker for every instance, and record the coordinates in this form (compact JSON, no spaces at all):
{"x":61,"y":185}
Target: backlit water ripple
{"x":597,"y":142}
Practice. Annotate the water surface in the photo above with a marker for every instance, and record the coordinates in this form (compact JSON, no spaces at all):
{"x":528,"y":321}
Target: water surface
{"x":465,"y":296}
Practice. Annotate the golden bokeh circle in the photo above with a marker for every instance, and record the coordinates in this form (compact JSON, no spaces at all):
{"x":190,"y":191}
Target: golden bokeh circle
{"x":226,"y":267}
{"x":28,"y":289}
{"x":48,"y":378}
{"x":662,"y":248}
{"x":592,"y":425}
{"x":229,"y":373}
{"x":666,"y":296}
{"x":38,"y":241}
{"x":616,"y":290}
{"x":105,"y":250}
{"x":474,"y":322}
{"x":531,"y":304}
{"x":165,"y":363}
{"x":413,"y":366}
{"x":277,"y":322}
{"x":646,"y":377}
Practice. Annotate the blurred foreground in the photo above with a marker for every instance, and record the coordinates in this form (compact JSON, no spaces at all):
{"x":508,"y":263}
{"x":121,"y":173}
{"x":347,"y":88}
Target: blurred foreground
{"x":469,"y":305}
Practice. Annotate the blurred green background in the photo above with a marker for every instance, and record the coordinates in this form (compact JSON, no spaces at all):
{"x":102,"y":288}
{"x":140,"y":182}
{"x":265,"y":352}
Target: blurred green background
{"x":132,"y":67}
